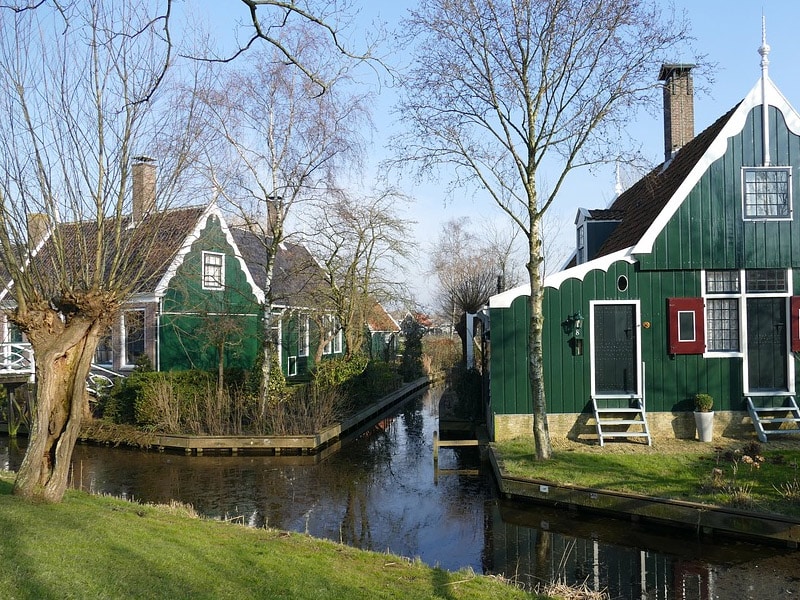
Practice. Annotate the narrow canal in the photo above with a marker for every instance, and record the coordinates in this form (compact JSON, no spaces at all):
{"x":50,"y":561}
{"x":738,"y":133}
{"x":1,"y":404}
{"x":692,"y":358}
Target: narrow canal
{"x":380,"y":492}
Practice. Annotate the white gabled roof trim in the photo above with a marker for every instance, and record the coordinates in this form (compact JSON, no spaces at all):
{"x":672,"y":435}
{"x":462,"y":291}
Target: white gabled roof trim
{"x":212,"y":210}
{"x":773,"y":97}
{"x":603,"y":263}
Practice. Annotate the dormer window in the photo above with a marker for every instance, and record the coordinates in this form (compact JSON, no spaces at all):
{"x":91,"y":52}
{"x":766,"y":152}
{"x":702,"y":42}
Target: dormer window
{"x":213,"y":271}
{"x":580,"y":254}
{"x":767,"y":193}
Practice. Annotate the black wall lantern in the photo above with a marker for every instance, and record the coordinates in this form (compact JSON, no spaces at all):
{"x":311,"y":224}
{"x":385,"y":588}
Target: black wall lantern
{"x":574,"y":326}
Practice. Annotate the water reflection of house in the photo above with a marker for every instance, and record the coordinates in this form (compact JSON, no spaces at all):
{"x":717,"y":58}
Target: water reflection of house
{"x":688,"y":282}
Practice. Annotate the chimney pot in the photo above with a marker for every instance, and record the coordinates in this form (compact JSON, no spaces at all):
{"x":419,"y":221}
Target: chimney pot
{"x":144,"y":187}
{"x":38,"y":226}
{"x":678,"y":106}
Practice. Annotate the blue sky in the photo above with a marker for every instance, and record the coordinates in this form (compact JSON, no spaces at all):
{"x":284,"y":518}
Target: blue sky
{"x":728,"y":32}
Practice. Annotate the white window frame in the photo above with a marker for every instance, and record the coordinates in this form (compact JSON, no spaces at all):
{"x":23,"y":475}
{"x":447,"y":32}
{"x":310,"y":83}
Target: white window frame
{"x":291,"y":366}
{"x":213,"y":280}
{"x":741,"y":297}
{"x":764,"y":193}
{"x":126,"y":362}
{"x":303,"y":341}
{"x":334,"y":344}
{"x":580,"y":244}
{"x":637,"y":327}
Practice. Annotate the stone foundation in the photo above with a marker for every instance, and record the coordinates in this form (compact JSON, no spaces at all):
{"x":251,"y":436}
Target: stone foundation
{"x":671,"y":425}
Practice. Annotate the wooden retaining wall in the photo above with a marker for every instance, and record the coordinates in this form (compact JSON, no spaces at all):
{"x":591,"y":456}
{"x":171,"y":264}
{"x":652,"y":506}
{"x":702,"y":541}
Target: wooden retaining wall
{"x":280,"y":444}
{"x":703,"y":519}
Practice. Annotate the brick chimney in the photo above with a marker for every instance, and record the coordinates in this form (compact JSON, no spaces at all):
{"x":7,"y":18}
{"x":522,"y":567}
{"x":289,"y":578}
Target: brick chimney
{"x":144,"y":187}
{"x":678,"y":107}
{"x":38,"y":227}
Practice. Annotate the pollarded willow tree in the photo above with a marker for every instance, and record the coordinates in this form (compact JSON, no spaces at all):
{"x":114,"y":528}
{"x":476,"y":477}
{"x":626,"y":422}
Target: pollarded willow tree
{"x":505,"y":91}
{"x":284,"y":143}
{"x":78,"y":102}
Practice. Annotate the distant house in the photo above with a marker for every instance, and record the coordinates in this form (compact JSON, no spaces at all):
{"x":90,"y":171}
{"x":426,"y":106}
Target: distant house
{"x":383,"y":333}
{"x":201,"y":293}
{"x":688,"y":282}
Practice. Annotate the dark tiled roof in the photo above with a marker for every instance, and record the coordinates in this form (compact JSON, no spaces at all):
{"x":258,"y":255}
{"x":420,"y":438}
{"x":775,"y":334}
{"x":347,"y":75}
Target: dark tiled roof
{"x":135,"y":260}
{"x":641,"y":204}
{"x":296,"y":278}
{"x":605,"y":214}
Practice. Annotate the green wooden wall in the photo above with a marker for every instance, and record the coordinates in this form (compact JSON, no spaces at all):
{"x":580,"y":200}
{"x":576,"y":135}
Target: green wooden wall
{"x":193,"y":319}
{"x":708,"y":231}
{"x":670,"y":381}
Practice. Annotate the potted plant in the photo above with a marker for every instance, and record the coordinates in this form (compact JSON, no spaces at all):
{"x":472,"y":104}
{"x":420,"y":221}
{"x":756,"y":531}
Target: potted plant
{"x":704,"y":416}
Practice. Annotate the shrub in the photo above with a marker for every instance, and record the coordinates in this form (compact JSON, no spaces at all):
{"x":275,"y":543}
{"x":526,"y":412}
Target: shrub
{"x":444,"y":352}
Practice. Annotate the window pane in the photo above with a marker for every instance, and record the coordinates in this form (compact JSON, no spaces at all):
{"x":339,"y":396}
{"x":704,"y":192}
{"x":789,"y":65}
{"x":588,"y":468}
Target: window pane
{"x":722,"y":282}
{"x":767,"y":193}
{"x":212,"y":270}
{"x":686,"y":326}
{"x":722,"y":328}
{"x":134,"y":335}
{"x":766,"y":280}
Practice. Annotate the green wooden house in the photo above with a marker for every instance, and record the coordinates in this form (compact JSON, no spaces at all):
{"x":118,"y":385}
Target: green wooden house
{"x":688,"y":282}
{"x":199,"y":297}
{"x":208,"y":303}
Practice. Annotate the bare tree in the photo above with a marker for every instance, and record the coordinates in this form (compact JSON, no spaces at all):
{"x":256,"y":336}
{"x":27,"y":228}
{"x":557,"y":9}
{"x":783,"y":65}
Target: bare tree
{"x":285,"y":143}
{"x":361,"y":244}
{"x":507,"y":90}
{"x":74,"y":87}
{"x":469,"y":268}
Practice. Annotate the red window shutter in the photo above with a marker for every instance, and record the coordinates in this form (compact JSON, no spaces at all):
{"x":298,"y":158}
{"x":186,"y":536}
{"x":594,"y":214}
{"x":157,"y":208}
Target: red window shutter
{"x":794,"y":322}
{"x":687,"y":328}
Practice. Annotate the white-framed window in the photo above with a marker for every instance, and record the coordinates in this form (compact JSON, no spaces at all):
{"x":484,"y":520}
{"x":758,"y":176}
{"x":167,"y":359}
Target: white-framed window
{"x":213,"y":270}
{"x":725,"y":294}
{"x":580,"y":252}
{"x":302,"y":335}
{"x":766,"y":193}
{"x":292,"y":366}
{"x":133,"y":336}
{"x":332,"y":334}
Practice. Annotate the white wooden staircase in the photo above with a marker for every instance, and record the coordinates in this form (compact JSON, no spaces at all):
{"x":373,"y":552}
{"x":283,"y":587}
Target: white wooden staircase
{"x":620,"y":417}
{"x":773,"y":415}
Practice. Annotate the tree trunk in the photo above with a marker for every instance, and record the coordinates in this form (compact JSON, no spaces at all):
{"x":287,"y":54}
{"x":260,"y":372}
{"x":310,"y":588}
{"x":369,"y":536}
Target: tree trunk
{"x":541,"y":432}
{"x":266,"y":361}
{"x":62,"y":366}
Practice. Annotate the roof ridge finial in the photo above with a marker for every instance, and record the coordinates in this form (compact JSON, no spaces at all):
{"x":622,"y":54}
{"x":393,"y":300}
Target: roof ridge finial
{"x":764,"y":49}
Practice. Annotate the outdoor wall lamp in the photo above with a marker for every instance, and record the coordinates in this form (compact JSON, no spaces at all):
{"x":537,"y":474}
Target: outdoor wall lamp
{"x":573,"y":325}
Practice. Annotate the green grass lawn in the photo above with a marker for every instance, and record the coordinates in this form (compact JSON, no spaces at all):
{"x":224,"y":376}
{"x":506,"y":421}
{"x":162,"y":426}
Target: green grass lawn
{"x":98,"y":547}
{"x":749,"y":477}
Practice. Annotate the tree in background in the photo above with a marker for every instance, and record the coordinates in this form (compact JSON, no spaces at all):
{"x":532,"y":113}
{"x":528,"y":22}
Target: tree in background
{"x":361,"y":243}
{"x":508,"y":91}
{"x":469,"y":268}
{"x":78,"y":90}
{"x":283,"y":144}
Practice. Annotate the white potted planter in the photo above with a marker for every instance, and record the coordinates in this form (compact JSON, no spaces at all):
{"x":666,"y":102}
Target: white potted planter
{"x":704,"y":416}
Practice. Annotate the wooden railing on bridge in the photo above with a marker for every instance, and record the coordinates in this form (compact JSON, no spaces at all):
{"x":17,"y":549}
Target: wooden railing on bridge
{"x":16,"y":360}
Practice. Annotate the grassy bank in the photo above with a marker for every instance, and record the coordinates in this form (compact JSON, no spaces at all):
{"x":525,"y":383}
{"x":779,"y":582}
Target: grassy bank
{"x":744,"y":475}
{"x":93,"y":547}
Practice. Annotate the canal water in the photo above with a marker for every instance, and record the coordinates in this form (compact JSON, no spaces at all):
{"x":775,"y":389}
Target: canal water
{"x":380,"y":492}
